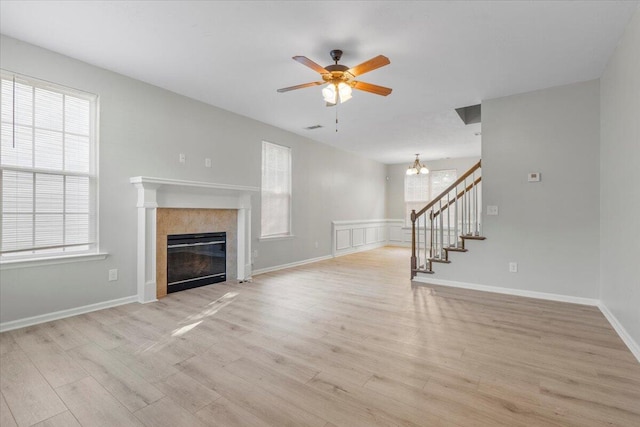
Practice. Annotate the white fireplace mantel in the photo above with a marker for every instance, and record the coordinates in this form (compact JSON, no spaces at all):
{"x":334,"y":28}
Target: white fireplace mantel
{"x":154,"y":193}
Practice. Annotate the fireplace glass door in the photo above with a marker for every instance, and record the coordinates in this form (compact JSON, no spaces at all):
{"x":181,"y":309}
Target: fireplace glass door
{"x":196,"y":260}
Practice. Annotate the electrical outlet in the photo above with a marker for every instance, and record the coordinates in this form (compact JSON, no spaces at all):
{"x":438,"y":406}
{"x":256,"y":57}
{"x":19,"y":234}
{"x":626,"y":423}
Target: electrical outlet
{"x":492,"y":210}
{"x":182,"y":158}
{"x":317,"y":245}
{"x":255,"y":253}
{"x":207,"y":163}
{"x":113,"y":275}
{"x":513,"y":267}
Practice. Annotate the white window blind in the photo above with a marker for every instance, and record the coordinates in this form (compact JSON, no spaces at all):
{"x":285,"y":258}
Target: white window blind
{"x":48,"y":170}
{"x":416,"y":194}
{"x":276,"y":190}
{"x":419,"y":190}
{"x":440,"y":180}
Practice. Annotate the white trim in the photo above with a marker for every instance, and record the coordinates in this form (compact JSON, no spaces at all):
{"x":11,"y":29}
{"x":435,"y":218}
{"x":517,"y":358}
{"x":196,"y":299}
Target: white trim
{"x":368,"y":221}
{"x":509,"y":291}
{"x":291,"y":264}
{"x":349,"y":236}
{"x":63,"y":259}
{"x":622,"y":332}
{"x":183,"y":183}
{"x":28,"y":321}
{"x":276,"y":238}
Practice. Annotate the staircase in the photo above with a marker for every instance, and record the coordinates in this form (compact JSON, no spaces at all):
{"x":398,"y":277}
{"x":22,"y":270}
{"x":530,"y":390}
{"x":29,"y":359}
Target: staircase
{"x":449,"y":220}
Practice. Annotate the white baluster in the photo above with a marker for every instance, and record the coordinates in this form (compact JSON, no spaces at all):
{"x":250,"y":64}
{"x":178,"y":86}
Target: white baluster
{"x":441,"y":228}
{"x":448,"y":221}
{"x":455,"y":215}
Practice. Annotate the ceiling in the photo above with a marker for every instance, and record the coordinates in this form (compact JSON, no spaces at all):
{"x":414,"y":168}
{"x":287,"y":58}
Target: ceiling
{"x":235,"y":54}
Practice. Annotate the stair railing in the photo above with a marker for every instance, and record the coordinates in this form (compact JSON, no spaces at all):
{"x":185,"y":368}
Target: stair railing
{"x":443,"y":224}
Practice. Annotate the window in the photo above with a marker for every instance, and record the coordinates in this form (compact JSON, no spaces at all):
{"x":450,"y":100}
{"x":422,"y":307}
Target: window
{"x":421,"y":189}
{"x":440,"y":181}
{"x":276,"y":190}
{"x":416,"y":194}
{"x":48,"y":169}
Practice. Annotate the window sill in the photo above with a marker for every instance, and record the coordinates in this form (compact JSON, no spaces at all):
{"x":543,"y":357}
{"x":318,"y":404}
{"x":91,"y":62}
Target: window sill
{"x":64,"y":259}
{"x":274,"y":238}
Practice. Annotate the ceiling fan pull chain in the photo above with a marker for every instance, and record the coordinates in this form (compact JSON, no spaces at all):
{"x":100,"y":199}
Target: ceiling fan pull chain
{"x":336,"y":117}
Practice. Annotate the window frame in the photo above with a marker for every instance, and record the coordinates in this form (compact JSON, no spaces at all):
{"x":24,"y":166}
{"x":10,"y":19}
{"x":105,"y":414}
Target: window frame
{"x":35,"y":255}
{"x":289,"y":233}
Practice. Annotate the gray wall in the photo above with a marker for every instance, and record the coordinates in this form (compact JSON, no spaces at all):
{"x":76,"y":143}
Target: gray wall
{"x":142,"y":130}
{"x":619,"y":191}
{"x":550,"y":228}
{"x":396,"y":174}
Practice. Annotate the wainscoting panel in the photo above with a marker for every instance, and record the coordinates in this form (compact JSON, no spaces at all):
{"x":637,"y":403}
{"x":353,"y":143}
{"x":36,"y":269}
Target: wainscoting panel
{"x":342,"y":239}
{"x":399,"y":234}
{"x":372,"y":235}
{"x":383,"y":234}
{"x":357,"y":235}
{"x":352,"y":236}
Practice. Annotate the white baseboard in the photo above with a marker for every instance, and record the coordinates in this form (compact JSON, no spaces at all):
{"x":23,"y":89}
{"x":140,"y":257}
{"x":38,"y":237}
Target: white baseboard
{"x":291,"y":264}
{"x":29,"y":321}
{"x":509,"y":291}
{"x":622,"y":332}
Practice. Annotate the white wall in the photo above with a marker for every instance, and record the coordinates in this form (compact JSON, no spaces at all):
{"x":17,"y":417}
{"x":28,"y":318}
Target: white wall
{"x":619,"y":191}
{"x":550,"y":228}
{"x":396,"y":174}
{"x":142,"y":130}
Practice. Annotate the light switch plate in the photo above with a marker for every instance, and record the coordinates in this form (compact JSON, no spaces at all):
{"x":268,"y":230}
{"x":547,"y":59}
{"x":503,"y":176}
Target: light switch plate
{"x":533,"y":177}
{"x":492,"y":210}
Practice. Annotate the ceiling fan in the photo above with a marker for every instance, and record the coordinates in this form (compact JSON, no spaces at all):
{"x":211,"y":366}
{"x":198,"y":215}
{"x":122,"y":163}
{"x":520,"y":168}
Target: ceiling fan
{"x":340,"y":79}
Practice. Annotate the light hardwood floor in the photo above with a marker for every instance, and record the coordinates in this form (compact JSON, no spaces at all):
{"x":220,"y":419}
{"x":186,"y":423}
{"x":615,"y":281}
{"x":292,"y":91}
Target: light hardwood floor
{"x":344,"y":342}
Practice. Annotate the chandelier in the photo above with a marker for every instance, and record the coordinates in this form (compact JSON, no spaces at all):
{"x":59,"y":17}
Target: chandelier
{"x":417,"y":167}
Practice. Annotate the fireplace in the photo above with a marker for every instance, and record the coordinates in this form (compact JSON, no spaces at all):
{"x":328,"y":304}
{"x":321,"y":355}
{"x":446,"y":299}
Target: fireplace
{"x":172,"y":206}
{"x":196,"y":260}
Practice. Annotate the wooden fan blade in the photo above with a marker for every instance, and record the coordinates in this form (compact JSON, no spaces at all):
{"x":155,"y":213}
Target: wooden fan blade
{"x":370,"y":65}
{"x":309,"y":63}
{"x":368,"y":87}
{"x":302,"y":86}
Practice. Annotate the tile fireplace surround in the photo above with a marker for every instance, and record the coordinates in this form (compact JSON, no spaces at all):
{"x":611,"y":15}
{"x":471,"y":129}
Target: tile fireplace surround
{"x":191,"y":204}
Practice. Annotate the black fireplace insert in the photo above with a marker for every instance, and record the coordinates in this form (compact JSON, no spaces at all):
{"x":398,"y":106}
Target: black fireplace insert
{"x":196,"y":260}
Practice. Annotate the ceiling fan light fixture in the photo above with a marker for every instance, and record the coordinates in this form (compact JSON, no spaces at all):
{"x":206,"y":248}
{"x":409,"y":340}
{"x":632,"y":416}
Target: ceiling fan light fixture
{"x":345,"y":92}
{"x":336,"y":91}
{"x":330,"y":94}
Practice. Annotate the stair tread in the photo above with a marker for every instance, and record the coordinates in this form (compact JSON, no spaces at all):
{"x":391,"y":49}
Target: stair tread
{"x":473,"y":237}
{"x":423,"y":271}
{"x":443,"y":261}
{"x":454,"y":249}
